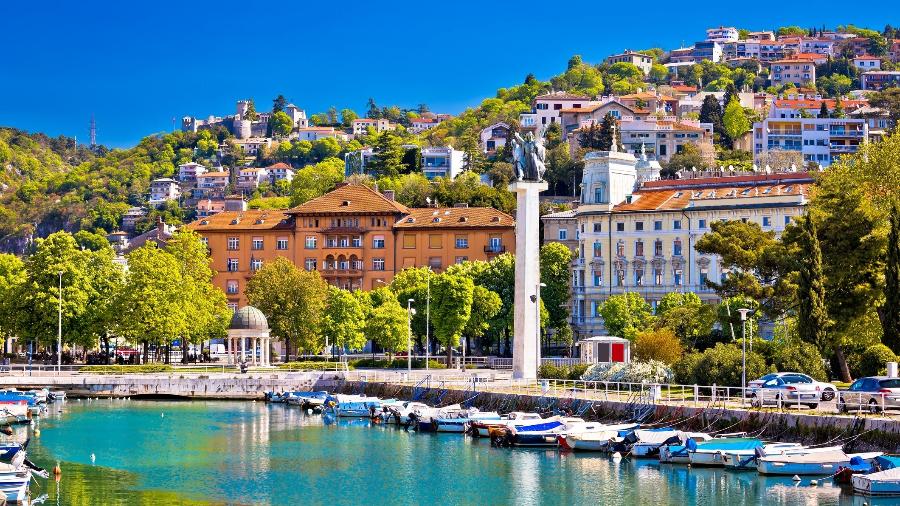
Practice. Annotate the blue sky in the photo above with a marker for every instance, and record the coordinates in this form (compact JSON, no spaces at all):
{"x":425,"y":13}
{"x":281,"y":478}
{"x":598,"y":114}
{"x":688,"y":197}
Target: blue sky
{"x":135,"y":67}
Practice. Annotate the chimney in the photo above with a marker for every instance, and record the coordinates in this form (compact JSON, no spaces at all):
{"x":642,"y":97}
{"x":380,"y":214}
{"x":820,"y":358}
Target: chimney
{"x":389,"y":194}
{"x":160,"y":227}
{"x":462,"y":205}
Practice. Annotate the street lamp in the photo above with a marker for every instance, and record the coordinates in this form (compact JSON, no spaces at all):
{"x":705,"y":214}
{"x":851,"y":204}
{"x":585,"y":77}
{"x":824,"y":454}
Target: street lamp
{"x":427,"y":318}
{"x":409,"y":313}
{"x":59,"y":330}
{"x":743,"y":312}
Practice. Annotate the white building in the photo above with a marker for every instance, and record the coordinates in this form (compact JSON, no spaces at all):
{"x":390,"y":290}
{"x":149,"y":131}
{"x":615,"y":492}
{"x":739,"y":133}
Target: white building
{"x":866,"y":63}
{"x":419,"y":125}
{"x":722,"y":34}
{"x":545,"y":109}
{"x":253,"y":145}
{"x":188,"y":172}
{"x":313,"y":134}
{"x":163,"y":190}
{"x":442,"y":162}
{"x":640,"y":237}
{"x":250,"y":178}
{"x":280,"y":171}
{"x":361,"y":126}
{"x":493,"y":138}
{"x":639,"y":60}
{"x":297,"y":115}
{"x":819,"y":140}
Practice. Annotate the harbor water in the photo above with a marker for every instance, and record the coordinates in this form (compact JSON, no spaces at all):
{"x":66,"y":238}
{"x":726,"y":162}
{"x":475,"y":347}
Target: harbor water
{"x":162,"y":452}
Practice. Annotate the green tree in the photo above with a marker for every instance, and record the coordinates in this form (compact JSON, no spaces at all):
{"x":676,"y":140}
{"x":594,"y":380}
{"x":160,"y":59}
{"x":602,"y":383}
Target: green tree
{"x":734,"y":121}
{"x":626,"y":315}
{"x":485,"y":306}
{"x":689,"y":158}
{"x":659,"y":74}
{"x":316,"y":180}
{"x":387,"y":155}
{"x":149,"y":306}
{"x":812,"y":315}
{"x":347,"y":117}
{"x":12,"y":278}
{"x":293,"y":301}
{"x":887,"y":100}
{"x":711,"y":112}
{"x":281,"y":124}
{"x":279,"y":103}
{"x":890,"y":311}
{"x":823,"y":111}
{"x":344,"y":319}
{"x":451,"y":308}
{"x":387,"y":325}
{"x":554,"y":261}
{"x":251,"y":113}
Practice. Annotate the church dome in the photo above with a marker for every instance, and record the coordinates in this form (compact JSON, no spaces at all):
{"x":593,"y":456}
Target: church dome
{"x":249,"y":318}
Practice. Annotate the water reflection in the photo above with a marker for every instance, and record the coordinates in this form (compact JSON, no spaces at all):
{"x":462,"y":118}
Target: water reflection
{"x":253,"y":453}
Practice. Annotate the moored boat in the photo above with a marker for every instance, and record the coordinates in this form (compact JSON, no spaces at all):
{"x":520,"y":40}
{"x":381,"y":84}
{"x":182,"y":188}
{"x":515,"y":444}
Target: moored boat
{"x":712,"y":452}
{"x":809,"y":464}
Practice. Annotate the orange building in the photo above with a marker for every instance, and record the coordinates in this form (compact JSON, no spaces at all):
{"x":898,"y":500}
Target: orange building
{"x":356,"y":237}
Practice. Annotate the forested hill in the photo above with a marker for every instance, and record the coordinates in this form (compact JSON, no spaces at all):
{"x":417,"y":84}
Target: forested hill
{"x":47,"y":185}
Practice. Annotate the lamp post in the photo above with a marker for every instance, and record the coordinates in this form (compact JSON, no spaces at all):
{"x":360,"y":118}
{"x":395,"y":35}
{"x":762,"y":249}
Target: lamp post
{"x":59,"y":331}
{"x":427,"y":318}
{"x":743,"y":312}
{"x":409,"y":314}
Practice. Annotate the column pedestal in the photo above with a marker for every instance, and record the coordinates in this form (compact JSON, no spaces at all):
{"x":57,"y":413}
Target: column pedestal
{"x":526,"y":338}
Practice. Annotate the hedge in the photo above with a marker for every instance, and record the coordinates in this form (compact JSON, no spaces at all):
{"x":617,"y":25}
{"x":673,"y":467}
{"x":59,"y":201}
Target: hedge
{"x":313,"y":366}
{"x":565,"y":372}
{"x":397,"y":363}
{"x":126,"y":369}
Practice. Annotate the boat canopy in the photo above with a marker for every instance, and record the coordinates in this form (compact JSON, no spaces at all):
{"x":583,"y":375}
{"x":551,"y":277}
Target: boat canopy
{"x":731,"y":443}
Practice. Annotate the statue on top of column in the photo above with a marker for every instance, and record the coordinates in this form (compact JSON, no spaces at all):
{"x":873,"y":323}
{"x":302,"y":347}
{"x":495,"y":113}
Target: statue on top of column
{"x":528,"y":156}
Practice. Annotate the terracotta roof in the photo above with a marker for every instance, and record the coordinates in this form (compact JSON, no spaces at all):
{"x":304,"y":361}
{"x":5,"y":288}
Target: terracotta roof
{"x":673,"y":199}
{"x":279,"y":165}
{"x":866,"y":57}
{"x":647,"y":95}
{"x":242,"y":220}
{"x":812,"y":103}
{"x":791,"y":61}
{"x":213,"y":174}
{"x":423,"y":120}
{"x":350,"y":199}
{"x":750,"y":178}
{"x":456,"y":217}
{"x":809,"y":56}
{"x":587,"y":109}
{"x":684,"y":87}
{"x":364,"y":120}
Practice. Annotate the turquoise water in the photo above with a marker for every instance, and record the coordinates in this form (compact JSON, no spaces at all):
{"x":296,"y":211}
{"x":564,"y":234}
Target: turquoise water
{"x":155,"y":452}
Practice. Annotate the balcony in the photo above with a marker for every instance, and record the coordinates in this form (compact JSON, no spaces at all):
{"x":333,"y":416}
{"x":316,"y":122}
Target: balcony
{"x":492,"y":249}
{"x":341,"y":272}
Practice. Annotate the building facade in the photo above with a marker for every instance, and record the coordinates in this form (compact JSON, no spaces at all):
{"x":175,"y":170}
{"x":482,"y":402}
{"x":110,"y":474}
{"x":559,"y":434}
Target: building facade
{"x":789,"y":71}
{"x":819,"y":140}
{"x":880,"y":79}
{"x":163,"y":190}
{"x":354,"y":236}
{"x":639,"y":60}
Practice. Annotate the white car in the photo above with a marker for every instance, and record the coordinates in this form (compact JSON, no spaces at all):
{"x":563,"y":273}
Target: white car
{"x":790,"y":387}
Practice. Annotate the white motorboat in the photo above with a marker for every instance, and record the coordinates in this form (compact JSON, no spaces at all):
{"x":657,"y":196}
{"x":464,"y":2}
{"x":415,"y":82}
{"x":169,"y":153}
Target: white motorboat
{"x":591,"y":436}
{"x":826,"y":462}
{"x":712,"y":452}
{"x":883,"y":483}
{"x":735,"y":461}
{"x":482,"y":428}
{"x":461,"y":422}
{"x":650,"y":442}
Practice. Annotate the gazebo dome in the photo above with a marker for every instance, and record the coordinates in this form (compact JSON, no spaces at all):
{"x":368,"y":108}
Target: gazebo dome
{"x":249,"y":318}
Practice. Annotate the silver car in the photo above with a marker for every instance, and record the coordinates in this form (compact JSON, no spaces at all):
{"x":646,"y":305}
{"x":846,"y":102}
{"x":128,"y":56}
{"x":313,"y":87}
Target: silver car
{"x":872,"y":393}
{"x":784,"y":388}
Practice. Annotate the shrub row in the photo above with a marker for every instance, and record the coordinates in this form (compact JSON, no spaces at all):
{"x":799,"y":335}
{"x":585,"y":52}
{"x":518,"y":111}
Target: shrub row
{"x":397,"y":363}
{"x":126,"y":369}
{"x":312,"y":366}
{"x":566,"y":372}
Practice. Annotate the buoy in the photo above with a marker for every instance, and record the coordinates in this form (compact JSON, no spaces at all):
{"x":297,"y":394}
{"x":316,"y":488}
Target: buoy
{"x":37,"y":432}
{"x":796,"y":478}
{"x":308,"y":411}
{"x":162,"y":415}
{"x":617,"y":456}
{"x":57,"y":471}
{"x":813,"y":483}
{"x":93,"y":458}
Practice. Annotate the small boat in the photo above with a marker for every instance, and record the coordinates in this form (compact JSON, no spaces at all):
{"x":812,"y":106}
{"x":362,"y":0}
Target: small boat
{"x":461,"y":423}
{"x":744,"y":462}
{"x":398,"y":413}
{"x":544,"y":433}
{"x":57,"y":395}
{"x":482,"y":428}
{"x":879,"y":483}
{"x":857,"y":465}
{"x":359,"y":408}
{"x":809,"y":464}
{"x":712,"y":452}
{"x":593,"y":436}
{"x":649,"y":442}
{"x":306,"y":399}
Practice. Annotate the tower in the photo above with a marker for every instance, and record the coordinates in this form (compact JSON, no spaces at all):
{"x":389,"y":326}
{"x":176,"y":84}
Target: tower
{"x":93,"y":132}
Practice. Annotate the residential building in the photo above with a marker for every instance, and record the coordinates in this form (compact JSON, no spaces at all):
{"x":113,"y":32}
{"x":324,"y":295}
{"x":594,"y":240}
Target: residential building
{"x":772,"y":50}
{"x":212,"y":184}
{"x":866,"y":62}
{"x":819,"y":140}
{"x":639,"y":60}
{"x":561,"y":227}
{"x":545,"y":109}
{"x":419,"y":125}
{"x":163,"y":190}
{"x":253,"y":145}
{"x":361,"y":126}
{"x":707,"y":50}
{"x":878,"y":120}
{"x":894,"y":51}
{"x":797,"y":72}
{"x":878,"y":80}
{"x":855,"y":46}
{"x":640,"y":238}
{"x":356,"y":237}
{"x":817,"y":45}
{"x":816,"y":58}
{"x":493,"y":138}
{"x":313,"y":134}
{"x":663,"y":138}
{"x":209,"y":207}
{"x":797,"y":106}
{"x":355,"y":162}
{"x":131,"y":217}
{"x":280,"y":172}
{"x":249,"y":178}
{"x":722,"y":34}
{"x":442,"y":162}
{"x":761,"y":36}
{"x":682,"y":55}
{"x":188,"y":172}
{"x":593,"y":113}
{"x":297,"y":115}
{"x":741,"y":49}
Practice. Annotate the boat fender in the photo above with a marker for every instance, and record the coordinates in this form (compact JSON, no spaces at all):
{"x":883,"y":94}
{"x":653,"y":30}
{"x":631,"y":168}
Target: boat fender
{"x":37,"y":432}
{"x":309,"y":411}
{"x":796,"y":478}
{"x":57,"y":471}
{"x":617,"y":456}
{"x":813,"y":483}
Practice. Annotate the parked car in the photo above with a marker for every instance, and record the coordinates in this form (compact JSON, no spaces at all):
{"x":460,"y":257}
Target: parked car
{"x":827,"y":391}
{"x":788,"y":388}
{"x":872,"y":393}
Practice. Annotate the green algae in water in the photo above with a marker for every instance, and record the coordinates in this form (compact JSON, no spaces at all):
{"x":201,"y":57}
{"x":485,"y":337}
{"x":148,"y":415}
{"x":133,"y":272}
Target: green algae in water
{"x":253,"y":453}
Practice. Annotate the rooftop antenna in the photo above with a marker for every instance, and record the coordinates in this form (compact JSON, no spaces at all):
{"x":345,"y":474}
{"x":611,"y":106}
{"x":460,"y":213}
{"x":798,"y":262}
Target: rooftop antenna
{"x":93,"y":131}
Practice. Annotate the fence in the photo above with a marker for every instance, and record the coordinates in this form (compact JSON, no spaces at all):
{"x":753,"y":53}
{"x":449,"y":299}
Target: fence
{"x":506,"y":363}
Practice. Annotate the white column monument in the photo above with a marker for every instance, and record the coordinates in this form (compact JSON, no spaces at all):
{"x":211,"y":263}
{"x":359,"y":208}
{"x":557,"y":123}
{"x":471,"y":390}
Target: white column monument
{"x":529,"y":164}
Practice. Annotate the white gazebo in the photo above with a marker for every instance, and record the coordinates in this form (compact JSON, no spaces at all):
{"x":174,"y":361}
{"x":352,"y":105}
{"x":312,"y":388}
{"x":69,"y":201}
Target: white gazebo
{"x":248,"y":338}
{"x":605,"y":349}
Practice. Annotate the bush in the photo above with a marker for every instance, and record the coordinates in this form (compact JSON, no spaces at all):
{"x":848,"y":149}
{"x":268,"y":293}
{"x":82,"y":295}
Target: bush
{"x":660,"y":344}
{"x":719,"y":365}
{"x":312,"y":366}
{"x":126,"y":369}
{"x":567,"y":372}
{"x":873,"y":361}
{"x":652,"y":371}
{"x":397,"y":363}
{"x":798,"y":357}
